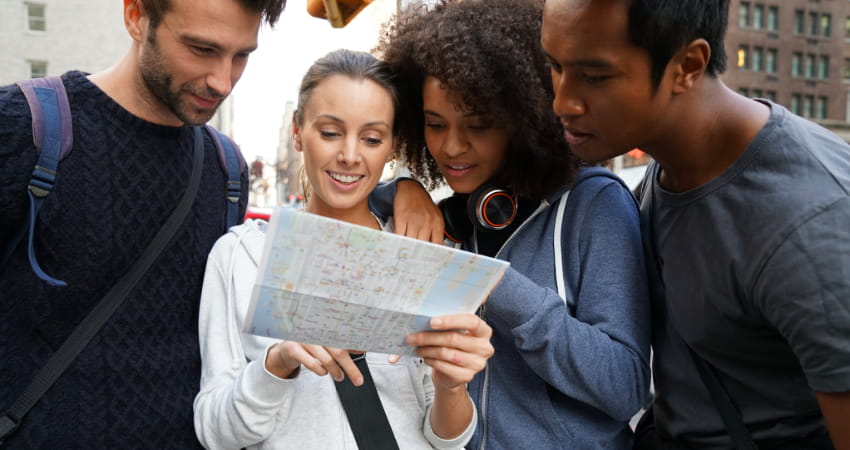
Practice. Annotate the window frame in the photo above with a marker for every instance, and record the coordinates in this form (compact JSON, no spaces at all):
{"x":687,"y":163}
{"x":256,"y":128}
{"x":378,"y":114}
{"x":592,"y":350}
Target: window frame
{"x":40,"y":21}
{"x":41,"y":64}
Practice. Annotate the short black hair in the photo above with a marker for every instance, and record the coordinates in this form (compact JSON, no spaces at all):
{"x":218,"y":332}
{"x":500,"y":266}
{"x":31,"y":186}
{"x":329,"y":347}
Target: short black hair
{"x":487,"y":52}
{"x":663,"y":27}
{"x":269,"y":9}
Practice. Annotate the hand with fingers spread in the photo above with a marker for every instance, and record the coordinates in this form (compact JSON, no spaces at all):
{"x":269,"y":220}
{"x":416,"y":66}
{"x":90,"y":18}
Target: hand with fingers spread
{"x":457,"y":350}
{"x":286,"y":357}
{"x":415,"y":214}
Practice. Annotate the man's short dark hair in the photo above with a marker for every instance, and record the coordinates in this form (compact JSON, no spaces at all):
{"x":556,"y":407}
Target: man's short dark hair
{"x":270,"y":9}
{"x":663,"y":27}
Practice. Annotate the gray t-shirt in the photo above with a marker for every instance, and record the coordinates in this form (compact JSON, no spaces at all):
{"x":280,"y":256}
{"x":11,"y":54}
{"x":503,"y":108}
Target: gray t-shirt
{"x":756,"y":269}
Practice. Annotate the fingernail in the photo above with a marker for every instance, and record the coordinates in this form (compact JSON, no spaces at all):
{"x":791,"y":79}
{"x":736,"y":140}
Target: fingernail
{"x":358,"y":381}
{"x":436,"y":323}
{"x":338,"y":378}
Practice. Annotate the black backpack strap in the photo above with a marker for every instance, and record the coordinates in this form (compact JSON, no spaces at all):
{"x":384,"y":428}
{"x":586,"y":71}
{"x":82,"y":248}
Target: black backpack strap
{"x":364,"y":411}
{"x":723,"y":402}
{"x":110,"y":302}
{"x":729,"y":413}
{"x":53,"y":138}
{"x":233,"y":164}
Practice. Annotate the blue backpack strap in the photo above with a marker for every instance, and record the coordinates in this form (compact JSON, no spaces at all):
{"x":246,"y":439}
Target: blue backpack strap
{"x":233,"y":164}
{"x":53,"y":138}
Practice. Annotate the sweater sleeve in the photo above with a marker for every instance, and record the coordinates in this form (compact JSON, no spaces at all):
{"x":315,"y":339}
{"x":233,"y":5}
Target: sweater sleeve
{"x":457,"y":443}
{"x":381,"y":199}
{"x":239,"y":400}
{"x":597,"y":351}
{"x":437,"y":442}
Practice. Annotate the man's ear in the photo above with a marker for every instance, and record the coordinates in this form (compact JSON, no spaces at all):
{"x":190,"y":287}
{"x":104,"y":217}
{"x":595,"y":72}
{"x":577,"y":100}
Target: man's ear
{"x":690,"y":63}
{"x":135,"y":19}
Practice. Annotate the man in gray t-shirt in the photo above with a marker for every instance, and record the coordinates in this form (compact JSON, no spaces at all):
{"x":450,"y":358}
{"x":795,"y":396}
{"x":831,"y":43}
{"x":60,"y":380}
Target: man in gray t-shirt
{"x":746,"y":214}
{"x":755,"y":265}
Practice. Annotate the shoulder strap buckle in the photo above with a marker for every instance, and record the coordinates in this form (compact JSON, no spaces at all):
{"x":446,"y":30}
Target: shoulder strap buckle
{"x":53,"y":139}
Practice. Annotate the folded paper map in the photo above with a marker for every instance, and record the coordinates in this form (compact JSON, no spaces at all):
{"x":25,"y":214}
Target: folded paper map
{"x":332,"y":283}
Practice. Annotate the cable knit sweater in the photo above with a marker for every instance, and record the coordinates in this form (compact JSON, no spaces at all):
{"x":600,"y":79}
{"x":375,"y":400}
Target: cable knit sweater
{"x":133,"y":385}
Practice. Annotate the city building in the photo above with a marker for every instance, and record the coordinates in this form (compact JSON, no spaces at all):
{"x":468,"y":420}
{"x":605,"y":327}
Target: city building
{"x":288,"y":161}
{"x":794,"y":52}
{"x":50,"y":37}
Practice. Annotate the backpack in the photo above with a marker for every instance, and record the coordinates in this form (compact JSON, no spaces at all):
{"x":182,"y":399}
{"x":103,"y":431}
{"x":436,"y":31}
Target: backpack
{"x":53,"y":139}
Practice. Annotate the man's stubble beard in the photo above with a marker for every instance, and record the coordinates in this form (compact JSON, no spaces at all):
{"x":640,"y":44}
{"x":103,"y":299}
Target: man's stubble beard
{"x":158,"y":79}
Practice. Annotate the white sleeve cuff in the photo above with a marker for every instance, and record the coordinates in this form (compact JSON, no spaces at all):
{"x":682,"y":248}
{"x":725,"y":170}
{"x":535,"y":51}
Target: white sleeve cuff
{"x":262,"y":386}
{"x":456,"y":443}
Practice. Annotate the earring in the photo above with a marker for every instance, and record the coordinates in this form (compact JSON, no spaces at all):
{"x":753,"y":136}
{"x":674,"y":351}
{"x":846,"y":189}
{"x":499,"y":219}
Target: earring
{"x":297,"y":145}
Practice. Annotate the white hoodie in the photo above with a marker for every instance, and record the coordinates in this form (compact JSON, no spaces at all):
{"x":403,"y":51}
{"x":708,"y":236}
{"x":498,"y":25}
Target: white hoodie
{"x":242,"y":405}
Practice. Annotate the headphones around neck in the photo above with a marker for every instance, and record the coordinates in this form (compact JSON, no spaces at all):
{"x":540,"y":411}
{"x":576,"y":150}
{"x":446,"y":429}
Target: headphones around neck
{"x":487,"y":208}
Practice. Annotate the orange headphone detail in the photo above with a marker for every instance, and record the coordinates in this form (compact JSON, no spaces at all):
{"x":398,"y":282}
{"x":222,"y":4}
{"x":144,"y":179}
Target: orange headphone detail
{"x":487,"y":208}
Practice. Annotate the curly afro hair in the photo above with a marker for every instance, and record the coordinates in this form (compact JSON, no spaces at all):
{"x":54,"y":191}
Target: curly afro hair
{"x":488,"y":54}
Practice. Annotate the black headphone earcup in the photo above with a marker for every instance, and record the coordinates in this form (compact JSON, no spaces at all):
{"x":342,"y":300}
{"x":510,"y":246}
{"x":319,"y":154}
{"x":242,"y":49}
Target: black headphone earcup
{"x":458,"y":228}
{"x":491,"y":208}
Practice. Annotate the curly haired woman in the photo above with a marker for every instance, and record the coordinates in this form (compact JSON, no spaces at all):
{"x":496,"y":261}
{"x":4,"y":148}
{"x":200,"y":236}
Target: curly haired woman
{"x":571,"y":317}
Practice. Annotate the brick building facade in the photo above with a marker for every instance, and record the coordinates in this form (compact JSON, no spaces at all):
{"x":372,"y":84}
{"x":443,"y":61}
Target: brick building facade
{"x":795,"y":52}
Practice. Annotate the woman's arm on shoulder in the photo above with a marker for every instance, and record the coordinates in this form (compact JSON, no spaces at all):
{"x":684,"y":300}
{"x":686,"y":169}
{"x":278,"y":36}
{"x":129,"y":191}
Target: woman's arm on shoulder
{"x":414,"y":212}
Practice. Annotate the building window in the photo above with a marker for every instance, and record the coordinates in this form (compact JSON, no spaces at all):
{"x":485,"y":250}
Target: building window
{"x":799,"y":26}
{"x":823,"y":67}
{"x":757,"y":56}
{"x":796,"y":61}
{"x":36,"y":17}
{"x":773,"y":18}
{"x":847,"y":27}
{"x":758,"y":17}
{"x":744,"y":91}
{"x":821,"y":108}
{"x":813,"y":23}
{"x":826,"y":24}
{"x":795,"y":104}
{"x":810,"y":66}
{"x":38,"y":69}
{"x":757,"y":93}
{"x":846,"y":69}
{"x":743,"y":57}
{"x":771,"y":95}
{"x":808,"y":106}
{"x":770,"y":61}
{"x":744,"y":15}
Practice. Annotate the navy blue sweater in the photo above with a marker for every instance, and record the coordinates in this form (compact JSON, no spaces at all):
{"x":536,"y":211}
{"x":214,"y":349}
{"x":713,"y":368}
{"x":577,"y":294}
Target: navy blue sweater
{"x":133,"y":385}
